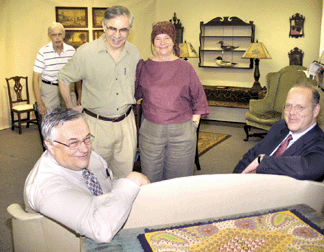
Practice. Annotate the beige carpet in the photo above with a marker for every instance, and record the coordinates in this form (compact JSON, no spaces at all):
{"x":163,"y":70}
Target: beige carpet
{"x":208,"y":140}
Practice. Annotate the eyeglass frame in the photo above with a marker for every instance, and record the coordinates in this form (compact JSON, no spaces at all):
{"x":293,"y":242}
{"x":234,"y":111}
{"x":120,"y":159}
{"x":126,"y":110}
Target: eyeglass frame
{"x":113,"y":30}
{"x":299,"y":108}
{"x":90,"y":137}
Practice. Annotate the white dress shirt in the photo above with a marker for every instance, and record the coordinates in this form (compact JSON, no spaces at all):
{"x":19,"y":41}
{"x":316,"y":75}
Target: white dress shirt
{"x":62,"y":194}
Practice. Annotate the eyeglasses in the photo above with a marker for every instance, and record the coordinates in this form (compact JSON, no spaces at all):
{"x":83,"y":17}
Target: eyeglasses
{"x":298,"y":108}
{"x":74,"y":145}
{"x":113,"y":30}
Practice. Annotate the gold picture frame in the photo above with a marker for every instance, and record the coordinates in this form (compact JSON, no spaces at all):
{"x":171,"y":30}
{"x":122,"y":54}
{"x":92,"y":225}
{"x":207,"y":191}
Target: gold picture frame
{"x":97,"y":16}
{"x":96,"y":34}
{"x":72,"y":17}
{"x":76,"y":38}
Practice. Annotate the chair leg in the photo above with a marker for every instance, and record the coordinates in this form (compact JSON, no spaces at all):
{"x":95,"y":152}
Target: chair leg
{"x":28,"y":118}
{"x":12,"y":121}
{"x":19,"y":124}
{"x":247,"y":128}
{"x":197,"y":156}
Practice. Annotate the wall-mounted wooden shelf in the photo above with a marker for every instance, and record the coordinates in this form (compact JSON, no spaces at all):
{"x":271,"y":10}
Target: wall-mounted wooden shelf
{"x":233,"y":32}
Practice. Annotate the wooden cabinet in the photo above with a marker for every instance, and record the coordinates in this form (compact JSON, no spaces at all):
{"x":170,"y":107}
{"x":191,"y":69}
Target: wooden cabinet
{"x":231,"y":32}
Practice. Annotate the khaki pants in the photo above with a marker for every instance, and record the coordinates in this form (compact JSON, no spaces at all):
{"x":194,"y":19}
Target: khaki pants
{"x":115,"y":142}
{"x":52,"y":97}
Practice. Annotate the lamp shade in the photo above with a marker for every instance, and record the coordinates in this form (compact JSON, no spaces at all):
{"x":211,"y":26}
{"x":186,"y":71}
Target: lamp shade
{"x":187,"y":51}
{"x":256,"y":51}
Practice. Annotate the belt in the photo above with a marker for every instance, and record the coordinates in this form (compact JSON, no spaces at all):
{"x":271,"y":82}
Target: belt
{"x":50,"y":83}
{"x":115,"y":119}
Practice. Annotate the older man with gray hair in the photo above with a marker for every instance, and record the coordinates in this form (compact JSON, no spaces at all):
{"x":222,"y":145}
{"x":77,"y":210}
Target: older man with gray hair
{"x":49,"y":60}
{"x":107,"y":68}
{"x":73,"y":185}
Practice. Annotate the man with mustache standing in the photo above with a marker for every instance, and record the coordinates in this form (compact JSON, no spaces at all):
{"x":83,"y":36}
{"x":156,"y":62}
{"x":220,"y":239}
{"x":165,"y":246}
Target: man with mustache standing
{"x":107,"y":68}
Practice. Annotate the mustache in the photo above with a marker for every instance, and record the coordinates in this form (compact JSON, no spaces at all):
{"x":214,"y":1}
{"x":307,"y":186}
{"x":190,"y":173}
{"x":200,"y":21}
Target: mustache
{"x":116,"y":39}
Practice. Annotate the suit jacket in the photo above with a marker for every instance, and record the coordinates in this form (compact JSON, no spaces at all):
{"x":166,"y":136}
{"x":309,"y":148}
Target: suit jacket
{"x":303,"y":160}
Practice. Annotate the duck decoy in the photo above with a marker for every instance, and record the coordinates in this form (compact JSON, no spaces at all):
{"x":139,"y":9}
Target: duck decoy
{"x":221,"y":62}
{"x":227,"y":48}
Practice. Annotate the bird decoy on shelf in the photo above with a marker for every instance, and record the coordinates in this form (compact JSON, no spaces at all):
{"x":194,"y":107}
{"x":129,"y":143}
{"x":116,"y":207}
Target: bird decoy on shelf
{"x":222,"y":63}
{"x":227,"y":48}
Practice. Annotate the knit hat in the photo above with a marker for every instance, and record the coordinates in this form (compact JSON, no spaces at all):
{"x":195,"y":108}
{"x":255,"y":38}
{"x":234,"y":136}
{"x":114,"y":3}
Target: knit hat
{"x":168,"y":28}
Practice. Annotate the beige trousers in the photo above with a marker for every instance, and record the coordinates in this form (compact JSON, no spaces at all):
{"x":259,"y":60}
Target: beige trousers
{"x":115,"y":142}
{"x":52,"y":97}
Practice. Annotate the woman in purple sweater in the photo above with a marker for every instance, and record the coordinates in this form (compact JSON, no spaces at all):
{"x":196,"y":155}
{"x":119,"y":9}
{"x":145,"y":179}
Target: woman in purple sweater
{"x":173,"y":103}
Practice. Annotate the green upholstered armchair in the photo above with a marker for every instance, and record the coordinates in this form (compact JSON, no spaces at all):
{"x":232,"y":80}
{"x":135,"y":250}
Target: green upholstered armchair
{"x":265,"y":112}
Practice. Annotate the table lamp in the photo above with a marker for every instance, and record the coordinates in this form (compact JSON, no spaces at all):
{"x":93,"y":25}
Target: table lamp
{"x":187,"y":51}
{"x":256,"y":51}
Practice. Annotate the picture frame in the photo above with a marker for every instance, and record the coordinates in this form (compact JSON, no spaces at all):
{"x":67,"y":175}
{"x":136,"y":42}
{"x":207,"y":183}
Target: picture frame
{"x":72,"y":17}
{"x":97,"y":16}
{"x":296,"y":56}
{"x":96,"y":34}
{"x":296,"y":26}
{"x":76,"y":38}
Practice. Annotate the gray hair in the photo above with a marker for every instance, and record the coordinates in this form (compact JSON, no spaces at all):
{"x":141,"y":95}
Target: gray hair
{"x":54,"y":25}
{"x":116,"y":11}
{"x":56,"y":117}
{"x":315,"y":94}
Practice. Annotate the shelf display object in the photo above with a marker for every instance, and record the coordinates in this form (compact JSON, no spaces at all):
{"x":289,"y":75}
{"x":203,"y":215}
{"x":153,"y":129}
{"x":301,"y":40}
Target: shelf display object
{"x":223,"y":41}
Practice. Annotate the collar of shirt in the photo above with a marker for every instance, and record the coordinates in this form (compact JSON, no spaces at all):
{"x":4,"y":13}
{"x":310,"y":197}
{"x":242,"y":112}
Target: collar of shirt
{"x":296,"y":136}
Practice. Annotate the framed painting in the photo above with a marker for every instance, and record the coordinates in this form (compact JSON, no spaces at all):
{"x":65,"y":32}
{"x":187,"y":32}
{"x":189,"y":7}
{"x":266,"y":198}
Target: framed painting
{"x":76,"y":38}
{"x":72,"y":17}
{"x":97,"y":16}
{"x":96,"y":34}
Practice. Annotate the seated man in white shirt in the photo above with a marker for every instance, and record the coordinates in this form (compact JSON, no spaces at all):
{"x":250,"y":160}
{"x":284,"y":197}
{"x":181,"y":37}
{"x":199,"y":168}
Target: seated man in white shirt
{"x":57,"y":187}
{"x":303,"y":155}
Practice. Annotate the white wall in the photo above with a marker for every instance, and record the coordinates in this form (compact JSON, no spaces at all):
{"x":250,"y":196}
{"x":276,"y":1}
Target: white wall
{"x":322,"y":33}
{"x":23,"y":25}
{"x":271,"y":19}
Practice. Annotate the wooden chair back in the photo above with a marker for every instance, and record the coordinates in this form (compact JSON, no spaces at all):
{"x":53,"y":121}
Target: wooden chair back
{"x":19,"y":101}
{"x":19,"y":85}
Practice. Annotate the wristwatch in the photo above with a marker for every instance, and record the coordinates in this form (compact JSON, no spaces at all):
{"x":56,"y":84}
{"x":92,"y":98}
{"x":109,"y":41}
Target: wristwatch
{"x":260,"y":157}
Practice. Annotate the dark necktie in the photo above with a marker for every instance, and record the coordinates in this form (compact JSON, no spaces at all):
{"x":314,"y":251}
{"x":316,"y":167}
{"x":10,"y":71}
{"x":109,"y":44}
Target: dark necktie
{"x":92,"y":182}
{"x":283,"y":146}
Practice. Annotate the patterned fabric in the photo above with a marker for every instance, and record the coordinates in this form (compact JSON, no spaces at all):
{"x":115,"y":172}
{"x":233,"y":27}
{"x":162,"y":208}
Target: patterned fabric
{"x":283,"y":146}
{"x":277,"y":231}
{"x":92,"y":182}
{"x":165,"y":27}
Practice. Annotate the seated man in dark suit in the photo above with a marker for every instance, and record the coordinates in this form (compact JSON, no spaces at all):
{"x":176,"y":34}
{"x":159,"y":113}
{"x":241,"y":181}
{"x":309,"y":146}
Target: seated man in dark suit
{"x":294,"y":146}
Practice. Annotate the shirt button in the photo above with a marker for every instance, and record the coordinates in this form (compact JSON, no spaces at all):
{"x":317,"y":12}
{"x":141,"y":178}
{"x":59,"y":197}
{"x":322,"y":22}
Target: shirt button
{"x":118,"y":109}
{"x":116,"y":93}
